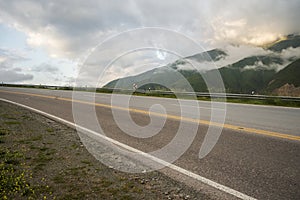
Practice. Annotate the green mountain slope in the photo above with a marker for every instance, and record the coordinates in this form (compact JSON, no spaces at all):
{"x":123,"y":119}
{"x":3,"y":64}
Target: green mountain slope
{"x":265,"y":60}
{"x":290,"y":74}
{"x":236,"y":79}
{"x":170,"y":75}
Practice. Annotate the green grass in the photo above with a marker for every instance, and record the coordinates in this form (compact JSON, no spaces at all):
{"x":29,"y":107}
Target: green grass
{"x":86,"y":162}
{"x":3,"y":132}
{"x":273,"y":102}
{"x":50,"y":130}
{"x":7,"y":116}
{"x":11,"y":122}
{"x":59,"y":178}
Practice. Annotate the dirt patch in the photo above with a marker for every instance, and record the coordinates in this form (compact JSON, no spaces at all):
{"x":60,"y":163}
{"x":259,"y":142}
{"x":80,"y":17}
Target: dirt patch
{"x":43,"y":159}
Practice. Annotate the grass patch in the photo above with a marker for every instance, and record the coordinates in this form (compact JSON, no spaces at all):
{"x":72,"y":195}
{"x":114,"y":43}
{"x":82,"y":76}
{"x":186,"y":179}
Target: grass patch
{"x":3,"y":132}
{"x":75,"y":171}
{"x":59,"y":179}
{"x":42,"y":158}
{"x":12,"y":122}
{"x":273,"y":102}
{"x":13,"y":177}
{"x":7,"y":116}
{"x":105,"y":183}
{"x":50,"y":130}
{"x":30,"y":140}
{"x":74,"y":146}
{"x":39,"y":166}
{"x":44,"y":149}
{"x":36,"y":138}
{"x":86,"y":162}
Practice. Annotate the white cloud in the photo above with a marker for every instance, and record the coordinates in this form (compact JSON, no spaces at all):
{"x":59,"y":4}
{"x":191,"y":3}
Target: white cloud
{"x":238,"y":52}
{"x":8,"y":72}
{"x":291,"y":53}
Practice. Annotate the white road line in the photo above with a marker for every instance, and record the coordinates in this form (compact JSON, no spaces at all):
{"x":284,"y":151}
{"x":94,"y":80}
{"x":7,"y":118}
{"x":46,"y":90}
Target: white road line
{"x":160,"y":161}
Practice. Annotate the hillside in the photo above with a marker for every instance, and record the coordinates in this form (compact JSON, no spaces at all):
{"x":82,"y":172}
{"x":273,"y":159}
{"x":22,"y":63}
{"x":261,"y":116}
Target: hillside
{"x":266,"y":60}
{"x":287,"y":80}
{"x":236,"y":78}
{"x":170,"y":75}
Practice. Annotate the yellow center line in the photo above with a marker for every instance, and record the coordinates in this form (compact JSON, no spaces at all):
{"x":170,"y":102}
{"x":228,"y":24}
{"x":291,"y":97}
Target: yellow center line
{"x":174,"y":117}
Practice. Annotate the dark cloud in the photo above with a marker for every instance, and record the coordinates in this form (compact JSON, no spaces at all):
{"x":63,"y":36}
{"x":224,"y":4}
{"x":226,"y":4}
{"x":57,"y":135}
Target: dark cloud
{"x":69,"y":28}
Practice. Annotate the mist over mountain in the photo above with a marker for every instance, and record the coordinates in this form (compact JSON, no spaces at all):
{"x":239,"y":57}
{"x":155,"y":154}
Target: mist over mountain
{"x":263,"y":74}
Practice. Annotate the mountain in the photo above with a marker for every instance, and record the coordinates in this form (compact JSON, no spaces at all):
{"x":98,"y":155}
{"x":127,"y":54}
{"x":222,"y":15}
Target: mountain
{"x":164,"y":75}
{"x":169,"y":75}
{"x":252,"y":73}
{"x":286,"y":81}
{"x":266,"y":60}
{"x":208,"y":56}
{"x":236,"y":78}
{"x":290,"y":41}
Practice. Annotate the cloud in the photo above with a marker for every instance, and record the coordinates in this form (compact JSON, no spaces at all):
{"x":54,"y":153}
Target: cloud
{"x":75,"y":27}
{"x":10,"y":56}
{"x":11,"y":76}
{"x":71,"y":28}
{"x":291,"y":53}
{"x":44,"y":67}
{"x":238,"y":52}
{"x":9,"y":73}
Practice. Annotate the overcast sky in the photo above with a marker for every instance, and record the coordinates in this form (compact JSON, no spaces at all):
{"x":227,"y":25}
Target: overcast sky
{"x":46,"y":42}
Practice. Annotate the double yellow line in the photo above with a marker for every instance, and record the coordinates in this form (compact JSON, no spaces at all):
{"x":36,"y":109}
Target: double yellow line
{"x":174,"y":117}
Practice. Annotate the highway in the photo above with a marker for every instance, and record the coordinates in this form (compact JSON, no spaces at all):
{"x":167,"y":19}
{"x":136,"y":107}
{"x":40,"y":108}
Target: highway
{"x":257,"y":154}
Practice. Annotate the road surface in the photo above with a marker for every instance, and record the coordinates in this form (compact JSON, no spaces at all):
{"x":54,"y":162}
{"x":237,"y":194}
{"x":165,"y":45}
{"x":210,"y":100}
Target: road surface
{"x":257,"y":154}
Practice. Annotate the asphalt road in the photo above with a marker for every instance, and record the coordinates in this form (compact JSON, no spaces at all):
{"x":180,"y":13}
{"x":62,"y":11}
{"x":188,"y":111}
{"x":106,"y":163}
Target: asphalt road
{"x":258,"y":152}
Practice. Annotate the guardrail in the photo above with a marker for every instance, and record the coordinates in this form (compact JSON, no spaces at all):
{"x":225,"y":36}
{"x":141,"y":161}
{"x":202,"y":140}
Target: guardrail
{"x":206,"y":94}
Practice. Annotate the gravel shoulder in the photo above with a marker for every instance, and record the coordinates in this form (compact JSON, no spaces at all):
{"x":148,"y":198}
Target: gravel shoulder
{"x":43,"y":159}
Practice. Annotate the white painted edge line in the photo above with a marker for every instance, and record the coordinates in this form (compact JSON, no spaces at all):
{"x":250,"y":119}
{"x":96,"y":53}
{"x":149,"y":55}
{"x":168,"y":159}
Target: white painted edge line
{"x":160,"y":161}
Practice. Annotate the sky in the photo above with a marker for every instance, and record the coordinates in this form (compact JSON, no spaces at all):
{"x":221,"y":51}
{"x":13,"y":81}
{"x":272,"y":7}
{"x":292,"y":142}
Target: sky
{"x":51,"y":42}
